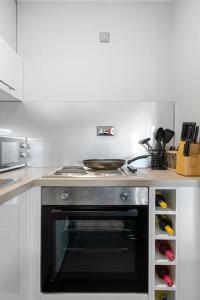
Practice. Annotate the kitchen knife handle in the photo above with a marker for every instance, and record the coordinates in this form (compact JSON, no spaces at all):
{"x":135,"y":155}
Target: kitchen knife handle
{"x":196,"y":134}
{"x":186,"y":150}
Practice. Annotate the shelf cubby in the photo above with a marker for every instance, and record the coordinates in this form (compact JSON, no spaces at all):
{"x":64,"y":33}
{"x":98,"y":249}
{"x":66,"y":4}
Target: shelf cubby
{"x":170,"y":196}
{"x":162,"y":235}
{"x":170,"y":294}
{"x":161,"y":259}
{"x":161,"y":285}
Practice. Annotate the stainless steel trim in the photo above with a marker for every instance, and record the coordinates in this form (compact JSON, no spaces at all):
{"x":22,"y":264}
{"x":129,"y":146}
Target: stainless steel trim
{"x":13,"y":137}
{"x":95,"y":196}
{"x":12,"y":168}
{"x":9,"y":86}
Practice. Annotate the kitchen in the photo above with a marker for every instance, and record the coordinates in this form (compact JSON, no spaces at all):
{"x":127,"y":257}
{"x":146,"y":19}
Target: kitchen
{"x":91,"y":80}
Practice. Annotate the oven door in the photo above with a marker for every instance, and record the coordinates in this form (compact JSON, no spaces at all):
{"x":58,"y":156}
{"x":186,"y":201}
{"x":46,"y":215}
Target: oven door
{"x":91,"y":249}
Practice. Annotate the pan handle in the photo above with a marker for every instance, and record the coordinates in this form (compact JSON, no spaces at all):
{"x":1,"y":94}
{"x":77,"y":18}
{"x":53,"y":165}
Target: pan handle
{"x":138,"y":157}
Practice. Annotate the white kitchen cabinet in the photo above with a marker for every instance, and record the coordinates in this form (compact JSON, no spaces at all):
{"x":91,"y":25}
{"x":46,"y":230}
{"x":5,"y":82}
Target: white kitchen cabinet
{"x":10,"y":73}
{"x":189,"y":243}
{"x":19,"y":279}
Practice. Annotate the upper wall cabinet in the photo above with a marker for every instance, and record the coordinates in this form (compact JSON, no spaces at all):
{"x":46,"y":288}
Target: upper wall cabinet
{"x":10,"y":74}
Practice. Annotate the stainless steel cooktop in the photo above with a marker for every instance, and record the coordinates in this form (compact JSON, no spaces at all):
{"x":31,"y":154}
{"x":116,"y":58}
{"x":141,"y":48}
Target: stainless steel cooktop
{"x":80,"y":171}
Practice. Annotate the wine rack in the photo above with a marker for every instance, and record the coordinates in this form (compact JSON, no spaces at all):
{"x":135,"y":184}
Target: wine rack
{"x":158,"y":286}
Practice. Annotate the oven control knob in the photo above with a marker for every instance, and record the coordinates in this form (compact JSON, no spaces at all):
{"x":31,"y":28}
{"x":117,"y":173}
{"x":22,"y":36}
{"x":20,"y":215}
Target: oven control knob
{"x":124,"y":196}
{"x":65,"y":196}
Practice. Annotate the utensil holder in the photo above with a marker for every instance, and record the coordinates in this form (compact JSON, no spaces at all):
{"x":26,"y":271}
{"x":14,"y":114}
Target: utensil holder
{"x":188,"y":165}
{"x":158,"y":160}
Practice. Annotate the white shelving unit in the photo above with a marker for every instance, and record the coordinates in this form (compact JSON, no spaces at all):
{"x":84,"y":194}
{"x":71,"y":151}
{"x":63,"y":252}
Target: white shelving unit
{"x":157,"y":286}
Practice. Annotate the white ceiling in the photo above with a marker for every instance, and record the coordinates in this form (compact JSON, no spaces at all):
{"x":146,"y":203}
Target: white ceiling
{"x":153,"y":1}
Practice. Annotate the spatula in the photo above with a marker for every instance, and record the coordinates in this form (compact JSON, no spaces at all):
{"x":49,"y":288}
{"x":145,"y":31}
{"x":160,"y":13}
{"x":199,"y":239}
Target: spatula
{"x":159,"y":136}
{"x":168,"y":135}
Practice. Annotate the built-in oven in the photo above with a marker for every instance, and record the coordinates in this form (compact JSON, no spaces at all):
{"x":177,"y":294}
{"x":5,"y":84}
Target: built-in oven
{"x":12,"y":153}
{"x":94,"y":240}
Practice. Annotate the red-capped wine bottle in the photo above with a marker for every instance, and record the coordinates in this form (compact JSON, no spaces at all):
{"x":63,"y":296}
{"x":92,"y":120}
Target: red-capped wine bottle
{"x":163,"y":273}
{"x":165,"y":249}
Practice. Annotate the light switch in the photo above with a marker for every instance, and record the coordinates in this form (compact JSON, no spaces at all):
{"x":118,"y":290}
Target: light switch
{"x":105,"y":131}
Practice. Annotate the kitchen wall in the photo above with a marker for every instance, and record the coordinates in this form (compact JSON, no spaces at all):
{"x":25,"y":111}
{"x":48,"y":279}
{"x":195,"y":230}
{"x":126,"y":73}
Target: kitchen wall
{"x":65,"y":132}
{"x":73,"y":83}
{"x":186,"y":61}
{"x":64,"y":61}
{"x":8,"y":21}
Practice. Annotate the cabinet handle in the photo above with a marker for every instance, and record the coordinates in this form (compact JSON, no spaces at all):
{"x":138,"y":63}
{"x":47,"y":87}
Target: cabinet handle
{"x":10,"y":87}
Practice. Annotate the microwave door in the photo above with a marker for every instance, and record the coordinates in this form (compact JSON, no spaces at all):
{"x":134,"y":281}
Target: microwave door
{"x":10,"y":153}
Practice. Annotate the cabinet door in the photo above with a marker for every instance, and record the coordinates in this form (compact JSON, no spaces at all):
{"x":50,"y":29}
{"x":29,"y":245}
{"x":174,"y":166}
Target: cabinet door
{"x":10,"y":73}
{"x":12,"y":242}
{"x":188,"y":234}
{"x":20,"y":247}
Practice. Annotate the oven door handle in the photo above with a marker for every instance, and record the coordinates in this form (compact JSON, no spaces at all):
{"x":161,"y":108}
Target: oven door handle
{"x":98,"y":213}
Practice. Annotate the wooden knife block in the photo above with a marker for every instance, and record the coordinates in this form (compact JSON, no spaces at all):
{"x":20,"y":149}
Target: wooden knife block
{"x":188,"y":165}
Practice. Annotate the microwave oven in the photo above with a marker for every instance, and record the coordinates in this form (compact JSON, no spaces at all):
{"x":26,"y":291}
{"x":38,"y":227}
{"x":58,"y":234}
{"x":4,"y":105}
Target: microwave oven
{"x":12,"y":153}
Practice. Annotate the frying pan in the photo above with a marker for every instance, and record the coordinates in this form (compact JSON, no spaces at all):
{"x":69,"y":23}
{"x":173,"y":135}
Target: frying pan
{"x":109,"y":164}
{"x":104,"y":164}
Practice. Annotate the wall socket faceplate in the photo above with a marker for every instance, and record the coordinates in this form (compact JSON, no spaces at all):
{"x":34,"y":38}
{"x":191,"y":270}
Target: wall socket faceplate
{"x":104,"y":37}
{"x":105,"y":131}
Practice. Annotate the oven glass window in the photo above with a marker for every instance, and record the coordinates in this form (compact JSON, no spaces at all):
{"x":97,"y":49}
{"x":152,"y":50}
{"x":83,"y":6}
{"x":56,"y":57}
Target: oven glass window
{"x":95,"y":254}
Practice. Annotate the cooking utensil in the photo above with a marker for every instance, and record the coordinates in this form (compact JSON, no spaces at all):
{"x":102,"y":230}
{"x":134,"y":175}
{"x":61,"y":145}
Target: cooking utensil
{"x":189,"y":137}
{"x":186,"y":133}
{"x":146,"y":142}
{"x":133,"y":170}
{"x":196,"y":134}
{"x":190,"y":132}
{"x":185,"y":126}
{"x":159,"y":136}
{"x":137,"y":158}
{"x":104,"y":164}
{"x":186,"y":149}
{"x":168,"y":135}
{"x":110,"y":164}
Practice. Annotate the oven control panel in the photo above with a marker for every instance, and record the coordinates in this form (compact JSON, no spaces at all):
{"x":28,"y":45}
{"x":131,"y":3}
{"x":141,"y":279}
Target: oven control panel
{"x":94,"y":195}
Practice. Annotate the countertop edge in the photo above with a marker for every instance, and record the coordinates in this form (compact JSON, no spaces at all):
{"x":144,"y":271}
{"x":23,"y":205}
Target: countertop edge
{"x":33,"y":177}
{"x":15,"y":191}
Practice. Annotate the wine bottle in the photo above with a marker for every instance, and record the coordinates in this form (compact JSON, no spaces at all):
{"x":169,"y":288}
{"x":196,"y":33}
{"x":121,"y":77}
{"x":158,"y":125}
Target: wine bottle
{"x":163,"y":273}
{"x":165,"y":224}
{"x":164,"y":297}
{"x":160,"y":200}
{"x":165,"y":249}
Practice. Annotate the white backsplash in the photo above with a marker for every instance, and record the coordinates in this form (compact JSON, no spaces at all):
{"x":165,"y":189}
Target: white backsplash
{"x":65,"y":132}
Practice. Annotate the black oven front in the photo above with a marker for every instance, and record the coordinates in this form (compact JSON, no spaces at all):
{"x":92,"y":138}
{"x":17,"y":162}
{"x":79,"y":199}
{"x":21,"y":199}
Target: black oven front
{"x":94,"y":240}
